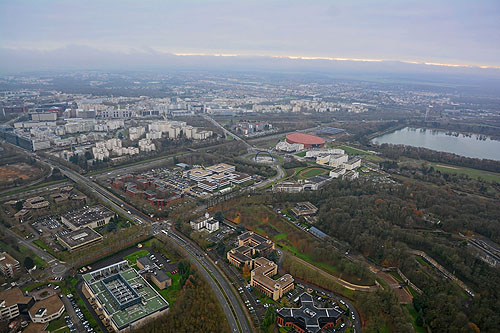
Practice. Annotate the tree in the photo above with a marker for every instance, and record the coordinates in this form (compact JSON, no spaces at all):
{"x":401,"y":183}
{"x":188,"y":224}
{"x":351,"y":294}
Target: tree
{"x":240,"y":229}
{"x":111,"y":226}
{"x":28,"y":263}
{"x":19,"y":205}
{"x":219,"y":216}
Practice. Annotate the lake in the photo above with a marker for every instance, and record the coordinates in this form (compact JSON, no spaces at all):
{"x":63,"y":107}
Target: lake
{"x":476,"y":146}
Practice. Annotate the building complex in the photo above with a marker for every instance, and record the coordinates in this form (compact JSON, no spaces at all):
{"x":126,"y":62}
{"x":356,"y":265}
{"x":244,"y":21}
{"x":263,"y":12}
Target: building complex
{"x":250,"y":245}
{"x":308,"y":318}
{"x":123,"y":297}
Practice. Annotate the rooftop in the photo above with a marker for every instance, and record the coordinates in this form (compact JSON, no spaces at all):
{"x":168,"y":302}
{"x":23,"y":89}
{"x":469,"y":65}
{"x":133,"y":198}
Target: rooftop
{"x":308,"y":316}
{"x":304,"y":138}
{"x":80,"y":237}
{"x":129,"y":279}
{"x":88,"y":215}
{"x":13,"y":296}
{"x":51,"y":304}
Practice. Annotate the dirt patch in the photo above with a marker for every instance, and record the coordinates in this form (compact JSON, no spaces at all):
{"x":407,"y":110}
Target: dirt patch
{"x":11,"y":172}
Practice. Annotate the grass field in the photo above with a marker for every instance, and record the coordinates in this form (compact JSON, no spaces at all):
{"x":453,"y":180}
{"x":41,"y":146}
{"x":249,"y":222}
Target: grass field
{"x":310,"y":172}
{"x":171,"y":293}
{"x":473,"y":173}
{"x":57,"y":324}
{"x":36,"y":259}
{"x":44,"y":247}
{"x":301,"y":154}
{"x":365,"y":154}
{"x":132,"y":258}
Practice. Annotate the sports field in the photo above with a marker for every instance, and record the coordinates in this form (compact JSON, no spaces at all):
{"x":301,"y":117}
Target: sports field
{"x":311,"y":172}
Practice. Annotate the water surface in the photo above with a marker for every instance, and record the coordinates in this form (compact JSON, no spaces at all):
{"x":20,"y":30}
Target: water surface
{"x":476,"y":146}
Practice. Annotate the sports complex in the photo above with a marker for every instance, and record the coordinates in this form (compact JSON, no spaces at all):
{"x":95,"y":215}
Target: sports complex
{"x":308,"y":140}
{"x":123,"y":297}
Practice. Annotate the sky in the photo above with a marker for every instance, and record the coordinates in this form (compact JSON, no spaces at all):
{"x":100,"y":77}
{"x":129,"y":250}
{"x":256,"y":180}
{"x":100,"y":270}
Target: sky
{"x":439,"y":32}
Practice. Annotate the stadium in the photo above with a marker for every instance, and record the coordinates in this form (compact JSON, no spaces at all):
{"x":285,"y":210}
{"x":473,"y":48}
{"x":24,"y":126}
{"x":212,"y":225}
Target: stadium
{"x":308,"y":140}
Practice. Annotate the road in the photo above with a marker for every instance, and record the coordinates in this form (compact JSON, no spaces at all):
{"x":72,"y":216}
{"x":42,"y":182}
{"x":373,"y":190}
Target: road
{"x":208,"y":269}
{"x":56,"y":267}
{"x":227,"y":132}
{"x":344,"y":283}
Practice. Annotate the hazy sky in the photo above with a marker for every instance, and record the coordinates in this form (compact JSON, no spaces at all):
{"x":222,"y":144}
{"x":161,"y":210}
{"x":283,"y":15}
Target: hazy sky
{"x":452,"y":31}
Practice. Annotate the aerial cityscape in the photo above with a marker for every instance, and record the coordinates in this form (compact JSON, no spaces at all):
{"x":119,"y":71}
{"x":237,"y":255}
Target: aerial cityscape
{"x":251,"y":171}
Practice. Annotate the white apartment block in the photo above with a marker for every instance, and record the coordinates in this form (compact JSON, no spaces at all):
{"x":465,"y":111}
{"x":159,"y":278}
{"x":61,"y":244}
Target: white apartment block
{"x":136,"y":132}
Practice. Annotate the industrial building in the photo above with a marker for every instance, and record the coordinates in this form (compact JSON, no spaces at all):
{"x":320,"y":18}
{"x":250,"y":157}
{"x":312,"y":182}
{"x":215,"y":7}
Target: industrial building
{"x":91,"y":217}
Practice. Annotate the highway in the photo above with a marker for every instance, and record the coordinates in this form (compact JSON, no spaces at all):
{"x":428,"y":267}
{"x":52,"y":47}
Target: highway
{"x":219,"y":284}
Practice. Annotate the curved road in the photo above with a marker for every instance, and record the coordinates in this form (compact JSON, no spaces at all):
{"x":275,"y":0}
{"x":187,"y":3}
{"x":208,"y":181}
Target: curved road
{"x":220,"y":285}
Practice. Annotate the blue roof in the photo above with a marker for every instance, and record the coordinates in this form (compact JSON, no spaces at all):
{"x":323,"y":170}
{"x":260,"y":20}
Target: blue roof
{"x":315,"y":231}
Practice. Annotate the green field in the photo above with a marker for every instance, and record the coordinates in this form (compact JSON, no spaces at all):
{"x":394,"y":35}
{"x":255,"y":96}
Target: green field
{"x":311,"y":172}
{"x":301,"y":154}
{"x":44,"y":247}
{"x":473,"y":173}
{"x":132,"y":258}
{"x":57,"y":324}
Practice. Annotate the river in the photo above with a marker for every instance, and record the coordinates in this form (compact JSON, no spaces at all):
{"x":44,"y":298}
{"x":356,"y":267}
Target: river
{"x":469,"y":145}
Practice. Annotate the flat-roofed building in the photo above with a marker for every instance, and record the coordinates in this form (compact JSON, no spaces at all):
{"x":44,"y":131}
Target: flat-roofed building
{"x":36,"y":203}
{"x":222,"y":168}
{"x":47,"y":309}
{"x":153,"y":272}
{"x":8,"y":265}
{"x":13,"y":303}
{"x":91,"y":217}
{"x":337,"y":172}
{"x":205,"y":222}
{"x":308,"y":318}
{"x":127,"y":300}
{"x":304,"y":209}
{"x":288,"y":187}
{"x":197,"y":174}
{"x":352,"y":163}
{"x":239,"y":177}
{"x":240,"y":256}
{"x":260,"y":245}
{"x":260,"y":278}
{"x":78,"y":239}
{"x":22,"y":215}
{"x":351,"y":175}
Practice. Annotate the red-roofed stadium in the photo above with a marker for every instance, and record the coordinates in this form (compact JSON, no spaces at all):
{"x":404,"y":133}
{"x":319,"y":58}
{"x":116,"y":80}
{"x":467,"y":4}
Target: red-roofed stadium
{"x":308,"y":140}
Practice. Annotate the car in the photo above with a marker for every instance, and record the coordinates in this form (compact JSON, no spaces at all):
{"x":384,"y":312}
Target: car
{"x":353,"y":318}
{"x":342,"y":326}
